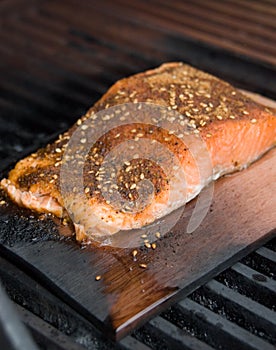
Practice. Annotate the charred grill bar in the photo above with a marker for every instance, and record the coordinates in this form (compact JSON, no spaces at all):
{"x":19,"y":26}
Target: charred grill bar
{"x":57,"y":58}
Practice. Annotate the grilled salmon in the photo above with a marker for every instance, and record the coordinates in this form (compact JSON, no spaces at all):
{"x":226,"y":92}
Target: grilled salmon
{"x":200,"y":121}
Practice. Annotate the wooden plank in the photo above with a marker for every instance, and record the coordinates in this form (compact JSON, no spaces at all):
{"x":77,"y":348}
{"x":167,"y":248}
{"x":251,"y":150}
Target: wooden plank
{"x":240,"y":219}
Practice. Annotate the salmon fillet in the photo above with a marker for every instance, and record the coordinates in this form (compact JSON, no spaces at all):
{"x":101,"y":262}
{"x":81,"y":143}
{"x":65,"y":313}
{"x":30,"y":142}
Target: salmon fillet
{"x":203,"y":114}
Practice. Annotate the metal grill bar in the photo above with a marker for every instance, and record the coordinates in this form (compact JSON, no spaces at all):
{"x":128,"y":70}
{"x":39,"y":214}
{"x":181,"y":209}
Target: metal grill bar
{"x":222,"y":327}
{"x":253,"y":316}
{"x":267,"y":253}
{"x":43,"y":332}
{"x":181,"y":338}
{"x":185,"y":21}
{"x":255,"y":278}
{"x":245,"y":14}
{"x":133,"y":344}
{"x":261,"y":263}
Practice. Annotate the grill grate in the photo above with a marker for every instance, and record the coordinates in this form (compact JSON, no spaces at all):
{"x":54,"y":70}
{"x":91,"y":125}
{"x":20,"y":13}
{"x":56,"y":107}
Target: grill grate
{"x":55,"y":64}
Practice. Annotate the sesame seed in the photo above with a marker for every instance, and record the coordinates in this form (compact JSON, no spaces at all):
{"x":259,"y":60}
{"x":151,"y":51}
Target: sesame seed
{"x":83,"y":140}
{"x":133,"y":186}
{"x":134,"y":253}
{"x":116,"y":136}
{"x":143,"y":266}
{"x":144,"y":235}
{"x":148,"y":245}
{"x":208,"y":135}
{"x":232,"y":117}
{"x":65,"y":222}
{"x":245,"y":112}
{"x":253,"y":121}
{"x":133,"y":94}
{"x":219,"y":117}
{"x":97,"y":278}
{"x":87,"y":189}
{"x":153,"y":246}
{"x":142,"y":176}
{"x":157,"y":234}
{"x":128,"y":168}
{"x":58,"y":150}
{"x":2,"y":202}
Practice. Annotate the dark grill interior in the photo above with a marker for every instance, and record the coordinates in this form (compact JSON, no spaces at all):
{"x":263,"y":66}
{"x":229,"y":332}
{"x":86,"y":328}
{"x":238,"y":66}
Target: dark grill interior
{"x":57,"y":58}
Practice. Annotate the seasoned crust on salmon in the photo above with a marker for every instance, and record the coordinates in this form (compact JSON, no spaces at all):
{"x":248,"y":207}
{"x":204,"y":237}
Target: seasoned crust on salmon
{"x":235,"y":129}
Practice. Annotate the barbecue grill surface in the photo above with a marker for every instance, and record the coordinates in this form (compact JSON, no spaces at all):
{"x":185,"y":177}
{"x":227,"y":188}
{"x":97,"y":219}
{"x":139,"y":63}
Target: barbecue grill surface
{"x":57,"y":58}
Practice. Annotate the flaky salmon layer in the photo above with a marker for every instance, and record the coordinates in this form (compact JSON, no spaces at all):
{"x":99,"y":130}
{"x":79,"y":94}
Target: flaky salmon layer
{"x":233,"y":130}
